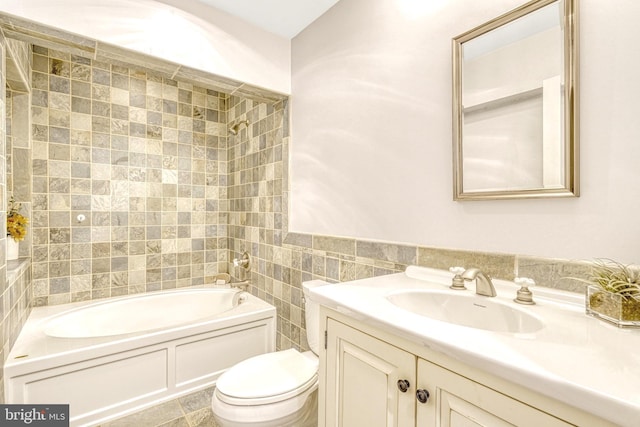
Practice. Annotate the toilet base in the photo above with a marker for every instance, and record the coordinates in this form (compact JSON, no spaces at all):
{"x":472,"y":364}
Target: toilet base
{"x":306,"y":416}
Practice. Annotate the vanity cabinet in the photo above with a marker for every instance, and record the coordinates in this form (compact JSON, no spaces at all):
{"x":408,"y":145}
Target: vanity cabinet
{"x":370,"y":378}
{"x":456,"y":401}
{"x":364,"y":380}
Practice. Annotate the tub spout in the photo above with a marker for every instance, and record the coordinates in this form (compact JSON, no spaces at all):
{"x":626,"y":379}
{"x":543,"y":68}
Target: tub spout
{"x":243,"y":285}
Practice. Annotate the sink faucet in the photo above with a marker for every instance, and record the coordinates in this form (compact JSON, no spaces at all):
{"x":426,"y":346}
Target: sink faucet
{"x":484,"y":286}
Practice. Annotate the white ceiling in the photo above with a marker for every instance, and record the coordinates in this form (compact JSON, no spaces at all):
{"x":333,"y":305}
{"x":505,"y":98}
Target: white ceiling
{"x":283,"y":17}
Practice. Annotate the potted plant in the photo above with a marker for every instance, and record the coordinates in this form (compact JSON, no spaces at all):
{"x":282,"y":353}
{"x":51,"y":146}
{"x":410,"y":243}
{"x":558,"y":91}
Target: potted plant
{"x":16,"y":228}
{"x":613,"y":293}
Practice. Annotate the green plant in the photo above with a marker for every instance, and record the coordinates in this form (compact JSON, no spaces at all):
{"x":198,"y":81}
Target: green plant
{"x":615,"y":277}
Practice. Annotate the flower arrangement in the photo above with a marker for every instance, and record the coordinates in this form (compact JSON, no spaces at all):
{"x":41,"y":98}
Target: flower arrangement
{"x":16,"y":222}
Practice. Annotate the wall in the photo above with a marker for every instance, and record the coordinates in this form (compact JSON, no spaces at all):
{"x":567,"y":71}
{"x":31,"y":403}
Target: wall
{"x":16,"y":294}
{"x":143,"y":159}
{"x":18,"y":140}
{"x":15,"y":307}
{"x":193,"y":35}
{"x":372,"y":81}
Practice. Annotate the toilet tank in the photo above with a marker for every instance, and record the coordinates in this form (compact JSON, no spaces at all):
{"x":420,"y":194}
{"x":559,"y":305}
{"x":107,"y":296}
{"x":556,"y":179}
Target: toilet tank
{"x":312,"y":315}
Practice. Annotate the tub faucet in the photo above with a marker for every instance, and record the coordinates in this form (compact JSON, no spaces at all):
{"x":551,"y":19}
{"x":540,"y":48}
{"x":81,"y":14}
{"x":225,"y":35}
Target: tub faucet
{"x":484,"y":286}
{"x":243,"y":285}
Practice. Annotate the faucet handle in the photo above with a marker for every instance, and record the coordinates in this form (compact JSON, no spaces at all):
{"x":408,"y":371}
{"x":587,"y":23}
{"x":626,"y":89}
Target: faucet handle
{"x":524,"y":295}
{"x":244,"y":261}
{"x":457,"y":270}
{"x":457,"y":282}
{"x":525,"y":281}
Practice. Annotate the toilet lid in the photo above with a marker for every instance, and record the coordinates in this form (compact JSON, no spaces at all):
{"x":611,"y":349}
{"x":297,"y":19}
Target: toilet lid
{"x":268,"y":375}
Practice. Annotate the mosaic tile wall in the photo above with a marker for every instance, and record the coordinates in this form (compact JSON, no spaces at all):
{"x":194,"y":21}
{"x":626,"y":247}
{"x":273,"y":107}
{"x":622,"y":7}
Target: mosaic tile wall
{"x":16,"y":296}
{"x":18,"y":65}
{"x":19,"y":157}
{"x":142,"y":158}
{"x":15,"y":306}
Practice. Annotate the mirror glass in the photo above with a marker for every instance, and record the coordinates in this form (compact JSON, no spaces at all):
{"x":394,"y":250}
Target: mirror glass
{"x":515,"y":105}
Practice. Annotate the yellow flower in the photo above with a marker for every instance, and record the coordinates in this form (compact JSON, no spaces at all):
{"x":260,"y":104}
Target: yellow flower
{"x":16,"y":222}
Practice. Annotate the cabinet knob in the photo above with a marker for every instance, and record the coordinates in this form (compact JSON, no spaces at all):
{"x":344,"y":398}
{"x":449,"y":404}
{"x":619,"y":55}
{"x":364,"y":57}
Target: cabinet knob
{"x":422,"y":395}
{"x":403,"y":385}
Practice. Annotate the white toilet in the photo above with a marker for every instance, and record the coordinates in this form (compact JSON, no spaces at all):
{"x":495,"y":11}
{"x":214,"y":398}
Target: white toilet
{"x":273,"y":389}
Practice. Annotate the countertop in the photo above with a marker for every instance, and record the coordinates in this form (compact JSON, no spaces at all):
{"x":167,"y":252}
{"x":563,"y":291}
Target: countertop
{"x":577,"y":359}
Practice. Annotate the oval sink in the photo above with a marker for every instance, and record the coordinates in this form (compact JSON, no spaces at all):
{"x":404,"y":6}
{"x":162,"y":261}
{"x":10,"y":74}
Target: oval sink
{"x":468,"y":310}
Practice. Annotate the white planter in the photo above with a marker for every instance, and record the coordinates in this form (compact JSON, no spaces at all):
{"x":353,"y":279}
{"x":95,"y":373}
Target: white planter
{"x":13,"y":248}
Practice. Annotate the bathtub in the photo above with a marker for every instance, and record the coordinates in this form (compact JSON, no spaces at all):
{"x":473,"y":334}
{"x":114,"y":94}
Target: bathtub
{"x":110,"y":358}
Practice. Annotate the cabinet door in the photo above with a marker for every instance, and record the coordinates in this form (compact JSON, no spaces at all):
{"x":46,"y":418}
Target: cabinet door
{"x":362,"y":380}
{"x":456,"y":401}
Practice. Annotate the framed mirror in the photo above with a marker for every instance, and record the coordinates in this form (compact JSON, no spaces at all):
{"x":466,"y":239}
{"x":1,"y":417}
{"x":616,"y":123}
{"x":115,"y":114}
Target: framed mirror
{"x":515,"y":102}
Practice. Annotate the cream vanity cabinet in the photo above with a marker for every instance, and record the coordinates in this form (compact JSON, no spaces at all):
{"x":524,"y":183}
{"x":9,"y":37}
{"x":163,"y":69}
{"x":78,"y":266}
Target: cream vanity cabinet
{"x":363,"y":378}
{"x":373,"y":379}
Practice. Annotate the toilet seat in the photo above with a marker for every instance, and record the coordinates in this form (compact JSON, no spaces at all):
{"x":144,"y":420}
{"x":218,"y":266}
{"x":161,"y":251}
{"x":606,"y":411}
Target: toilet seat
{"x":268,"y":378}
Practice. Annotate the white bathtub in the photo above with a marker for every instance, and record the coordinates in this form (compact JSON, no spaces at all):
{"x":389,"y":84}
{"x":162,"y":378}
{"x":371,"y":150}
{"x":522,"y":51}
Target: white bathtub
{"x":113,"y":357}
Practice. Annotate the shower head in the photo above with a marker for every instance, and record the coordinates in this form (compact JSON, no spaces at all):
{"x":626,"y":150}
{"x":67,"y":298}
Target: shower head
{"x":233,"y":130}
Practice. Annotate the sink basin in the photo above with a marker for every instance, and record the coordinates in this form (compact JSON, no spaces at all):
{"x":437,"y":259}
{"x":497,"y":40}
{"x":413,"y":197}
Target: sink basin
{"x":466,"y":309}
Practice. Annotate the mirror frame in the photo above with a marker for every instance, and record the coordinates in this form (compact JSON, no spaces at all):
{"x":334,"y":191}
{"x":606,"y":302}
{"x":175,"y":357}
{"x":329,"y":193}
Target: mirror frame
{"x":570,"y":107}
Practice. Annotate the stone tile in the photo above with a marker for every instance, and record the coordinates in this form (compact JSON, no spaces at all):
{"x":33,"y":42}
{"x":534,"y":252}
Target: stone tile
{"x":202,"y":418}
{"x":554,"y":273}
{"x":387,"y":252}
{"x":153,"y":416}
{"x":500,"y":266}
{"x":299,"y":239}
{"x":178,"y":422}
{"x":196,"y":401}
{"x":334,"y":244}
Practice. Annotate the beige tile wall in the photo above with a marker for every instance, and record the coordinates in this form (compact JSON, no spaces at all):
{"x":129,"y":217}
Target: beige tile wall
{"x":16,"y":295}
{"x":15,"y":276}
{"x":15,"y":306}
{"x":19,"y":154}
{"x":143,"y":159}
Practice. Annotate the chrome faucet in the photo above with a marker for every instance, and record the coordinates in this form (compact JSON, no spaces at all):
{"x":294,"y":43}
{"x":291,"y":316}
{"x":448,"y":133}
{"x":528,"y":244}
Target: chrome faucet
{"x":484,"y":286}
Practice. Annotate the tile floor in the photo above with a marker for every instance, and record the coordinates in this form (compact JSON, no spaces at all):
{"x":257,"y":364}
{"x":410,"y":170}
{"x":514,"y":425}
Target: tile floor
{"x":192,"y":410}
